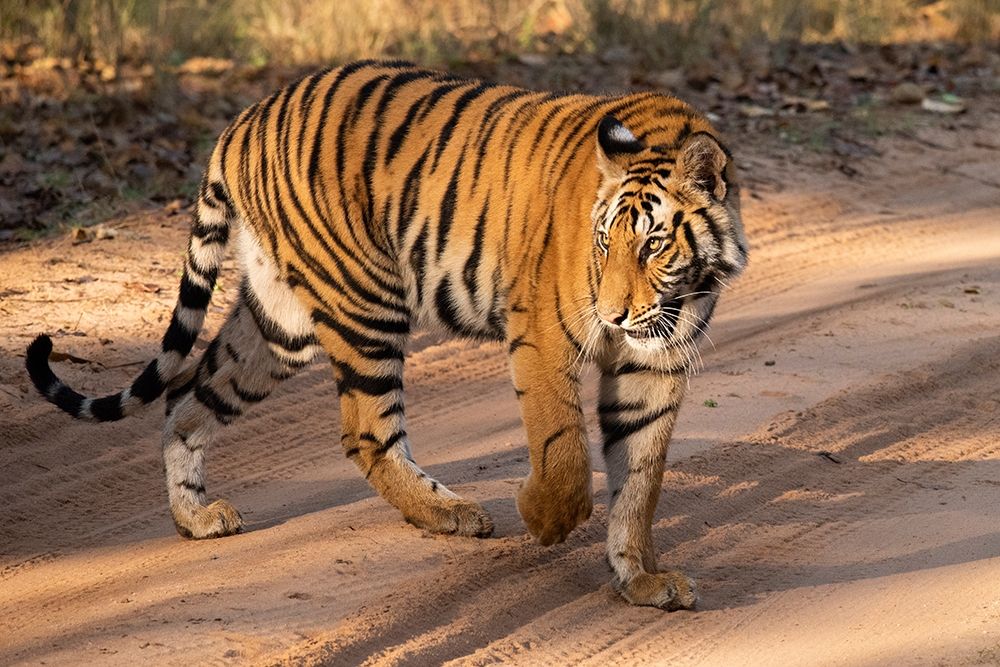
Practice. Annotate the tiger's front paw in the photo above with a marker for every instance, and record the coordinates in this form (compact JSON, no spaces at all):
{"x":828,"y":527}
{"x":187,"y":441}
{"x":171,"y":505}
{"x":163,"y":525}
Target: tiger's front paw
{"x":670,"y":590}
{"x":456,"y":517}
{"x":552,"y":513}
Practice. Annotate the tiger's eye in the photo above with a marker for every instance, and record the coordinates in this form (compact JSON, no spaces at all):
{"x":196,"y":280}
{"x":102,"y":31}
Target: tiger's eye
{"x":654,"y":244}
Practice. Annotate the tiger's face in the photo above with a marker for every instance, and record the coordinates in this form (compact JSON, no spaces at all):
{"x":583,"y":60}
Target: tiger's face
{"x":668,"y":236}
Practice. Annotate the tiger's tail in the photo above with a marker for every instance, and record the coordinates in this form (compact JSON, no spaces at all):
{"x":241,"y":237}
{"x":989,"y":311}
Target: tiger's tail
{"x":206,"y":245}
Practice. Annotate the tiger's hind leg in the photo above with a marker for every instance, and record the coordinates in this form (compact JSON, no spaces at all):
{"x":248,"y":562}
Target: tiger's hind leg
{"x":266,"y":339}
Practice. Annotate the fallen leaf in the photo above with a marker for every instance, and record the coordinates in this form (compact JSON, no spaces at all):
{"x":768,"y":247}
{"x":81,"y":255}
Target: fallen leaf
{"x":66,"y":356}
{"x":103,"y":232}
{"x":940,"y":106}
{"x":533,"y":59}
{"x":804,"y":104}
{"x":149,"y":288}
{"x":205,"y":66}
{"x":80,"y":235}
{"x":755,"y":111}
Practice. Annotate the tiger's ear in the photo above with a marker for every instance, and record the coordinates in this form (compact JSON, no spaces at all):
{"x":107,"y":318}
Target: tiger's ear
{"x":615,"y":143}
{"x":701,"y":162}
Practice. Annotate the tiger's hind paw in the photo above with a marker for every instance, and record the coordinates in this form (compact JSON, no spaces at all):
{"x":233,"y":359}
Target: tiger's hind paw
{"x":670,"y":590}
{"x":218,"y":519}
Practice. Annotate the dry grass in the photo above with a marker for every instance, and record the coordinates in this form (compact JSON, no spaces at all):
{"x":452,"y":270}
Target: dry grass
{"x":666,"y":32}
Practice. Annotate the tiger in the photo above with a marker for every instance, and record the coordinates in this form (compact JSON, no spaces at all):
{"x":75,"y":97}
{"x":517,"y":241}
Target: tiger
{"x":377,"y":197}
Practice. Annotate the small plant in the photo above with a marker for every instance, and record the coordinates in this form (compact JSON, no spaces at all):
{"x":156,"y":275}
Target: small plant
{"x":709,"y":403}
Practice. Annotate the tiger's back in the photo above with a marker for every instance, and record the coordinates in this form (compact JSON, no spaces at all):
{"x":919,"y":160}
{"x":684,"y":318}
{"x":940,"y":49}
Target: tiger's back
{"x":428,"y":180}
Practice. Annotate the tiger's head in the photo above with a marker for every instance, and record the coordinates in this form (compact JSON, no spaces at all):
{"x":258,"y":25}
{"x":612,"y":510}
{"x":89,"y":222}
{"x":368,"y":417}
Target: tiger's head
{"x":667,"y":234}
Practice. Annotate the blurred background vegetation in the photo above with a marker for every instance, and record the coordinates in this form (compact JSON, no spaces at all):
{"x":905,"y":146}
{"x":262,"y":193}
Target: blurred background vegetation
{"x":110,"y":107}
{"x":289,"y":32}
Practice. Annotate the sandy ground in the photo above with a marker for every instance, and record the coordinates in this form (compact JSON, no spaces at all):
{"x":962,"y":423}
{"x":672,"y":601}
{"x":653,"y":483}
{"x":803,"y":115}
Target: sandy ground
{"x":839,"y":506}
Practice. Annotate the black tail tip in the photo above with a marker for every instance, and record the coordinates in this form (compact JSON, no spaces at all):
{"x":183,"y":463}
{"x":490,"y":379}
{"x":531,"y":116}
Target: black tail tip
{"x":41,"y":347}
{"x":37,"y":363}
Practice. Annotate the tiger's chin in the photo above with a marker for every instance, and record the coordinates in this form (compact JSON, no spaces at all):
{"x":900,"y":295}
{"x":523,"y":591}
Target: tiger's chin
{"x":673,"y":351}
{"x":649,"y":344}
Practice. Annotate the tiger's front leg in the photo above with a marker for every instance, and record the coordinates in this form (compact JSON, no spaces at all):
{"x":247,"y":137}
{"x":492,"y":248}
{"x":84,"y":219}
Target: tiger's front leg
{"x":637,"y":408}
{"x":368,"y":366}
{"x":374,"y":437}
{"x":556,"y":496}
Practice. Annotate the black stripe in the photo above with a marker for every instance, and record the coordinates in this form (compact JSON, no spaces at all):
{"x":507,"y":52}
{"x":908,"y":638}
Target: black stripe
{"x":196,"y":488}
{"x":368,"y":346}
{"x":305,"y":106}
{"x":548,"y":441}
{"x":107,"y":409}
{"x":713,"y":228}
{"x":270,"y":330}
{"x":148,"y":385}
{"x":211,"y":357}
{"x":399,"y":135}
{"x":68,"y":400}
{"x":245,"y":395}
{"x":490,"y":122}
{"x":692,"y":242}
{"x":617,"y":430}
{"x":210,"y":234}
{"x":177,"y":392}
{"x":177,"y":337}
{"x":316,"y":150}
{"x":447,"y":311}
{"x":372,"y":385}
{"x":448,"y":128}
{"x":621,"y":406}
{"x":472,"y":263}
{"x":418,"y":260}
{"x":386,"y":326}
{"x":384,"y":447}
{"x":410,"y":200}
{"x":562,"y":326}
{"x":193,"y":296}
{"x":630,"y":367}
{"x":581,"y":119}
{"x":219,"y":192}
{"x":221,"y":408}
{"x":207,"y":274}
{"x":434,"y":98}
{"x":395,"y":409}
{"x":518,"y":343}
{"x":388,"y":95}
{"x":446,"y":214}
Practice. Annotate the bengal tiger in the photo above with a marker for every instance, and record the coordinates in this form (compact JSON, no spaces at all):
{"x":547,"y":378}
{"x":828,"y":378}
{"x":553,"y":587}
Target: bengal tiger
{"x":376,"y":197}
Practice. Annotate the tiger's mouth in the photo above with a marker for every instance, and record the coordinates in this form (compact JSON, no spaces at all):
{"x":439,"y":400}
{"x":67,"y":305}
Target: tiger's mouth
{"x":661,"y":326}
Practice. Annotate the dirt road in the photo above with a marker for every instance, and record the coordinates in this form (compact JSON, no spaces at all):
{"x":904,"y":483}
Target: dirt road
{"x":840,"y":505}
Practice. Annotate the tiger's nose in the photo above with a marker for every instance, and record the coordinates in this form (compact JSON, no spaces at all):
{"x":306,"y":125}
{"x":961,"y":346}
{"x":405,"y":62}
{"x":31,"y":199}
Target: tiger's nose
{"x":613,"y":316}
